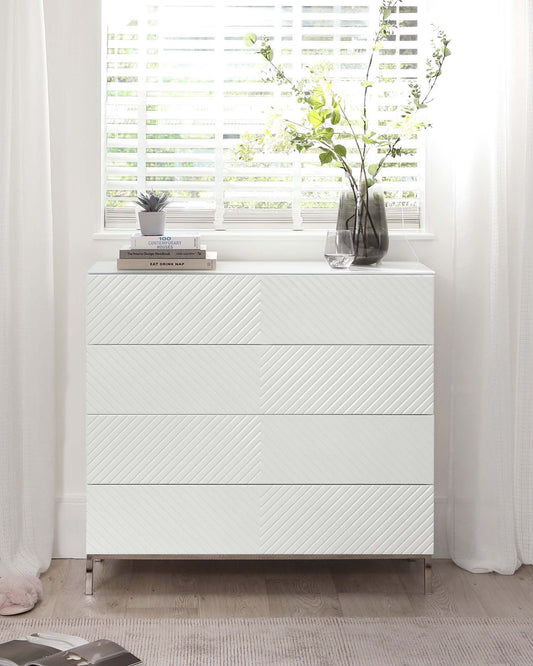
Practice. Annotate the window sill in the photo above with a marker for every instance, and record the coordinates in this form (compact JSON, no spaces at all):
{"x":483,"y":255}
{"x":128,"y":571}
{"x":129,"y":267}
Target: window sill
{"x":263,"y":234}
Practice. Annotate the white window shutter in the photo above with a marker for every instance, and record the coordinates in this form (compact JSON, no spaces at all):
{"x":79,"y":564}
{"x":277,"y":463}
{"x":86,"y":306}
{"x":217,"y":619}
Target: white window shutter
{"x":182,"y":88}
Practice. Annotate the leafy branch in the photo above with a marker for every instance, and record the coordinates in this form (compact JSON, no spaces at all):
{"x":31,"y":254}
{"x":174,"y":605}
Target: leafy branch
{"x":326,"y":119}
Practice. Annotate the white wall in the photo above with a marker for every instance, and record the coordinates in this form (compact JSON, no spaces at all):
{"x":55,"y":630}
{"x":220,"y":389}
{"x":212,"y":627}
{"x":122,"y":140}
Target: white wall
{"x":74,"y":82}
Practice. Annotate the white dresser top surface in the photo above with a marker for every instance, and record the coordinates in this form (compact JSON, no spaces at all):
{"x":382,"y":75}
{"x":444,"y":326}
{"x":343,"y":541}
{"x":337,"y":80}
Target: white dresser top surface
{"x":279,"y":268}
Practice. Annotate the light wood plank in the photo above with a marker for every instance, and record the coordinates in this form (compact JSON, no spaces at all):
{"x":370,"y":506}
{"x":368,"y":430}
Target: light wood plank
{"x":452,"y":594}
{"x":53,"y":581}
{"x":231,"y":589}
{"x":162,"y":589}
{"x":374,"y":588}
{"x":302,"y":589}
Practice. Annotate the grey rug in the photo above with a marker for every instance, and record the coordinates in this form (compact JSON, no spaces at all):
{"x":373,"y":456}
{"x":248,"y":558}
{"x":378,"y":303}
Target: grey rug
{"x":305,"y":641}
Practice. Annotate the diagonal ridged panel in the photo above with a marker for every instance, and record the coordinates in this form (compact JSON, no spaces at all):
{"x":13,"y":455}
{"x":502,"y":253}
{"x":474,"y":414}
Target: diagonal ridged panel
{"x":285,"y":520}
{"x":163,"y":520}
{"x":367,"y":520}
{"x":295,"y":449}
{"x":173,"y":449}
{"x":354,"y":449}
{"x":226,"y":379}
{"x":173,"y":379}
{"x":358,"y":309}
{"x":173,"y":309}
{"x":320,"y":379}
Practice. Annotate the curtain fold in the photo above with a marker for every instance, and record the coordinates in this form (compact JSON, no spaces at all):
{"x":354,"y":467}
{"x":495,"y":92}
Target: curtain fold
{"x":27,"y":418}
{"x":491,"y":497}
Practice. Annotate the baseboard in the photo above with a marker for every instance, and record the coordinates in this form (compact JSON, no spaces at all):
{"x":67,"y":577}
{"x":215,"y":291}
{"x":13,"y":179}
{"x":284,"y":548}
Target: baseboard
{"x":69,"y":539}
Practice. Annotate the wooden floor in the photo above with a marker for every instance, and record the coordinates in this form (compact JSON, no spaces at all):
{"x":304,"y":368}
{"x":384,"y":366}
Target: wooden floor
{"x":203,"y":589}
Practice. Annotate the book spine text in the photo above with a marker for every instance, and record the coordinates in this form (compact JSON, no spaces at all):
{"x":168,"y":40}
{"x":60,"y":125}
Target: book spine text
{"x":183,"y":253}
{"x":165,"y":242}
{"x":166,"y":264}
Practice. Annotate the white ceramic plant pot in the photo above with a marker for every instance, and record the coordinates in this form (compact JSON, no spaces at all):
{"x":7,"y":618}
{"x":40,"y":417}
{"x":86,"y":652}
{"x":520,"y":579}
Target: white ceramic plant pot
{"x":152,"y":224}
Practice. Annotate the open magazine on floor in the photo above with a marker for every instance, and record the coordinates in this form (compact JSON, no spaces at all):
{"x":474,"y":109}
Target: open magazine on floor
{"x":51,"y":649}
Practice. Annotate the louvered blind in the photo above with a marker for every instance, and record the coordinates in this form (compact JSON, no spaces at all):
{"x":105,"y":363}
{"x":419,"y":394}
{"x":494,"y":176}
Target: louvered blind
{"x":182,"y":88}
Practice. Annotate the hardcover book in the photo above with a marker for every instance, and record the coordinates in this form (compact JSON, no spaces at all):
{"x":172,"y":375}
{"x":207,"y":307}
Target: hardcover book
{"x":186,"y":264}
{"x":97,"y":653}
{"x":183,"y":253}
{"x":168,"y":242}
{"x":51,"y":649}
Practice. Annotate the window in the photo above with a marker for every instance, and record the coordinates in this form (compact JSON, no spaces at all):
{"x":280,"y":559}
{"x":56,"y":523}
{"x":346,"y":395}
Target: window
{"x":182,"y":88}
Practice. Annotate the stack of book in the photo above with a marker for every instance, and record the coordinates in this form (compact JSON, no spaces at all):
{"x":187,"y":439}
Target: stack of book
{"x":179,"y":251}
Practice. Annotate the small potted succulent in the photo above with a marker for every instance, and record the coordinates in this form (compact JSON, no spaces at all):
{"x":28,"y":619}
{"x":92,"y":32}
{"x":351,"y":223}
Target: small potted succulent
{"x":152,"y":215}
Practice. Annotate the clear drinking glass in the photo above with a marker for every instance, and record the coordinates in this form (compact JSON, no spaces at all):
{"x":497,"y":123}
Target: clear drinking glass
{"x":339,"y":250}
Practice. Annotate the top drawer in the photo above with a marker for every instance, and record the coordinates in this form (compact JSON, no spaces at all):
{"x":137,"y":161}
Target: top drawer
{"x":260,"y":309}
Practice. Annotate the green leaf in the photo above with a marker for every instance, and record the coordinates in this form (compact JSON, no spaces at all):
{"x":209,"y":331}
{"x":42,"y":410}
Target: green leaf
{"x":447,"y":52}
{"x":335,"y":116}
{"x":367,"y":138}
{"x":317,"y":99}
{"x":340,"y":150}
{"x":325,"y":133}
{"x":267,"y":53}
{"x":386,"y":13}
{"x":373,"y":169}
{"x":250,"y":39}
{"x":367,"y":84}
{"x":325,"y":158}
{"x":315,"y":118}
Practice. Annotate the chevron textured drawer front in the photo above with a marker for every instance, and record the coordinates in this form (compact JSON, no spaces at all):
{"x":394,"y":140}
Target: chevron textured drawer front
{"x":254,"y":449}
{"x":173,"y":379}
{"x":253,"y":379}
{"x":275,"y":409}
{"x":160,"y":520}
{"x":374,"y":520}
{"x":373,"y":449}
{"x":182,"y":449}
{"x":173,"y":309}
{"x":249,"y":520}
{"x":389,"y":310}
{"x":239,"y":309}
{"x":340,"y":379}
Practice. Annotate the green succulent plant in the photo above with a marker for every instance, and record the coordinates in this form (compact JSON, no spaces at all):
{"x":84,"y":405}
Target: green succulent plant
{"x":153,"y":202}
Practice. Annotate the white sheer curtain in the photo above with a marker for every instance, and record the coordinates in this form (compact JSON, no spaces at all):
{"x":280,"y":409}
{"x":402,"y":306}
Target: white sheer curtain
{"x":26,"y":295}
{"x":491,"y":512}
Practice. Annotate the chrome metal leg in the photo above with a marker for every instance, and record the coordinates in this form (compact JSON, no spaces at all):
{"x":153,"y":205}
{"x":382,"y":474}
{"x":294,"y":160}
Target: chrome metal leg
{"x":89,"y":575}
{"x":428,"y":576}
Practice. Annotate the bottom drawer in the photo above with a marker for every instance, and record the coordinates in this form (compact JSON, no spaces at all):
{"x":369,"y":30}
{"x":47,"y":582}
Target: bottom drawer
{"x":260,"y":520}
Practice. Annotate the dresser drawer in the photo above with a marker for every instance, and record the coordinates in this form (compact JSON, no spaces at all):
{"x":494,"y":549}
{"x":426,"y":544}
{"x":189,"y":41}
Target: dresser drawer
{"x":294,"y":449}
{"x":255,"y":379}
{"x":175,"y":379}
{"x":342,"y":379}
{"x":173,"y":309}
{"x":347,"y":309}
{"x":164,"y":520}
{"x":272,"y":519}
{"x":266,"y":309}
{"x":368,"y":520}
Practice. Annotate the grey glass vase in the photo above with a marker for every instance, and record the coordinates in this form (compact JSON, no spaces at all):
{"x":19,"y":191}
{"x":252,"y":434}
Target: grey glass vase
{"x":365,"y":217}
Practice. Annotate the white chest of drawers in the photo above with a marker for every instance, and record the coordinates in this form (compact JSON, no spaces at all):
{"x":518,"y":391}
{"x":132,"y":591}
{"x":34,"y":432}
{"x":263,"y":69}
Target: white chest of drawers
{"x":262,"y":410}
